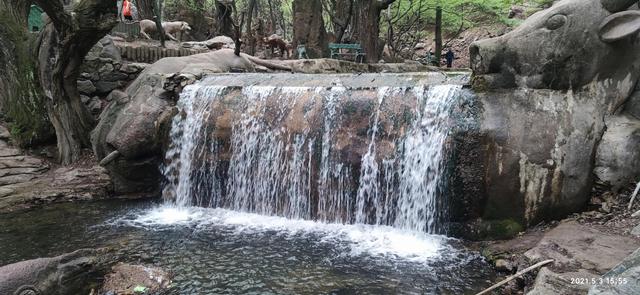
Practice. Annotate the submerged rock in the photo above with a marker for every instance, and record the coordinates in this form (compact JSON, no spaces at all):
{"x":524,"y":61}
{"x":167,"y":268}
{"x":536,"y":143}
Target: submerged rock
{"x":135,"y":279}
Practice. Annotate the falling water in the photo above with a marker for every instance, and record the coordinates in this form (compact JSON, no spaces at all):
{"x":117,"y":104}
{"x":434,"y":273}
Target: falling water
{"x":272,"y":171}
{"x":422,"y":161}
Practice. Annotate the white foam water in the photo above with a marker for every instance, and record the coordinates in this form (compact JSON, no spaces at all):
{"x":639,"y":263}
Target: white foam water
{"x":361,"y":239}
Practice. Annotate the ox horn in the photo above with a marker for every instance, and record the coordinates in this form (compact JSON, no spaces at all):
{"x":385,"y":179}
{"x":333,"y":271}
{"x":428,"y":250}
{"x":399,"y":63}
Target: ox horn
{"x":617,"y":5}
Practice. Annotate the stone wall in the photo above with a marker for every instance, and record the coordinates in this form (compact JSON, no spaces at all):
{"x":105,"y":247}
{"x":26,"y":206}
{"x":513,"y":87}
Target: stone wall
{"x":103,"y":71}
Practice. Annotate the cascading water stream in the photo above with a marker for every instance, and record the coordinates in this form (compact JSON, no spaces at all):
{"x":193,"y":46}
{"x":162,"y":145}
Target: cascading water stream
{"x":265,"y":168}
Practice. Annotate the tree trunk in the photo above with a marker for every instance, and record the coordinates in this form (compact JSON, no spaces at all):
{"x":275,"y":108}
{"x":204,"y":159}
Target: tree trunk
{"x":158,"y":19}
{"x":64,"y":43}
{"x":21,"y":99}
{"x":224,"y":13}
{"x":366,"y":25}
{"x":308,"y":27}
{"x":249,"y":31}
{"x":193,"y":12}
{"x":272,"y":20}
{"x":438,"y":53}
{"x":145,"y":8}
{"x":342,"y":17}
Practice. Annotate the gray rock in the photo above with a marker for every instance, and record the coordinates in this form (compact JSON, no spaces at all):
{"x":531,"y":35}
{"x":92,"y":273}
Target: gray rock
{"x":504,"y":265}
{"x":543,"y":105}
{"x":575,"y":246}
{"x":106,"y":69}
{"x":551,"y":283}
{"x":4,"y":133}
{"x":64,"y":274}
{"x":114,"y":76}
{"x":624,"y":279}
{"x":106,"y":40}
{"x":94,"y":53}
{"x":618,"y":156}
{"x":104,"y":87}
{"x":86,"y":87}
{"x":133,"y":68}
{"x":632,"y":106}
{"x":636,"y":231}
{"x":532,"y":145}
{"x":125,"y":277}
{"x":94,"y":105}
{"x":220,"y":42}
{"x":62,"y":185}
{"x":541,"y":52}
{"x":109,"y":50}
{"x":85,"y":99}
{"x":137,"y":128}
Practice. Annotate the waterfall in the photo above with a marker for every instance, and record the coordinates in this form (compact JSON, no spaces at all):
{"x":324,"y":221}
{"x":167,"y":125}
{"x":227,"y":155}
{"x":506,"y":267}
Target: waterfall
{"x":421,"y":165}
{"x":285,"y":154}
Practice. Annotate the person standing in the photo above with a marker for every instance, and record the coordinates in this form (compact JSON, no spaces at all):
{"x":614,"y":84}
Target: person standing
{"x":429,"y":57}
{"x":126,"y":10}
{"x":449,"y":56}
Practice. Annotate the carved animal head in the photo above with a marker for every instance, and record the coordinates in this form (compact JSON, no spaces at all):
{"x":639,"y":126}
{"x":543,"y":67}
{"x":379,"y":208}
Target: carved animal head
{"x":185,"y":27}
{"x":569,"y":45}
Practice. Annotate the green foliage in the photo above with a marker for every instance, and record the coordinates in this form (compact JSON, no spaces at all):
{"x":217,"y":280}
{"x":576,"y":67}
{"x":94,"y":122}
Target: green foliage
{"x":456,"y":13}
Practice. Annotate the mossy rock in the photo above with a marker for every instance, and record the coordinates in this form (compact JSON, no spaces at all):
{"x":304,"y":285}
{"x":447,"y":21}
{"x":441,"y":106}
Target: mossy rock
{"x":479,"y":230}
{"x":501,"y":229}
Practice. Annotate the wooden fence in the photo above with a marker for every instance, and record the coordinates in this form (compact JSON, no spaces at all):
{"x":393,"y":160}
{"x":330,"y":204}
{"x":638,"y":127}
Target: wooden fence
{"x":131,"y":30}
{"x":151,"y":54}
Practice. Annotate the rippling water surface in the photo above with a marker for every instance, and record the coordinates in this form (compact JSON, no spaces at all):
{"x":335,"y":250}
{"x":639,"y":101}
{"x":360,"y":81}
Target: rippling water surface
{"x":215,"y":251}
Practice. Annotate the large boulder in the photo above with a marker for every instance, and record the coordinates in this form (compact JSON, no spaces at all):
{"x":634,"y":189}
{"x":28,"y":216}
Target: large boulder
{"x":618,"y":156}
{"x":65,"y":274}
{"x":544,"y":105}
{"x":134,"y":125}
{"x":27,"y":181}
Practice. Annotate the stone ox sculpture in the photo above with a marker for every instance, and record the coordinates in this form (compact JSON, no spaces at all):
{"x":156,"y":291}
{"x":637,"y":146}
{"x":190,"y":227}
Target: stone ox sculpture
{"x":548,"y":91}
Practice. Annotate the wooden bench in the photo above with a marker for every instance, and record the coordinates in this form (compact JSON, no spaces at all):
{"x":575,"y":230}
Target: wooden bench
{"x":354,"y":50}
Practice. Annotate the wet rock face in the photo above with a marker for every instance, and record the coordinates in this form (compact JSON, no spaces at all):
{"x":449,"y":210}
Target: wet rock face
{"x":538,"y":147}
{"x":545,"y":104}
{"x":136,"y":123}
{"x":618,"y":156}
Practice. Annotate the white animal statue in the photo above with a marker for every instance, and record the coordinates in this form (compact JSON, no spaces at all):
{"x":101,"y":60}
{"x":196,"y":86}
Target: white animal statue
{"x":170,"y":28}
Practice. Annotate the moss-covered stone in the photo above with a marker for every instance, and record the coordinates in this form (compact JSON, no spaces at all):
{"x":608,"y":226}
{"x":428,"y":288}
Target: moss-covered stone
{"x":486,"y":229}
{"x":21,"y":101}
